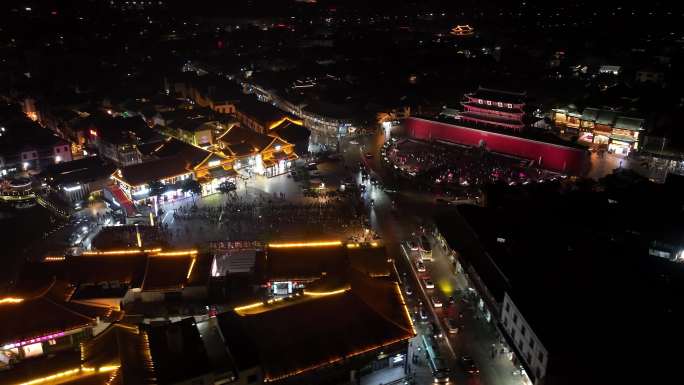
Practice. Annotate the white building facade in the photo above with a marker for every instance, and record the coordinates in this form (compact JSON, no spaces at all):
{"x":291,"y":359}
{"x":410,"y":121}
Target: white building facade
{"x":527,"y":343}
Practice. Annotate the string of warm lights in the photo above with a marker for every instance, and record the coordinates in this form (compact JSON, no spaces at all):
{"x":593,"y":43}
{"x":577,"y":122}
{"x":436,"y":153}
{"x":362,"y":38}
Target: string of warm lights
{"x":326,"y":293}
{"x":305,"y":244}
{"x":80,"y":371}
{"x":11,"y":300}
{"x":192,"y":265}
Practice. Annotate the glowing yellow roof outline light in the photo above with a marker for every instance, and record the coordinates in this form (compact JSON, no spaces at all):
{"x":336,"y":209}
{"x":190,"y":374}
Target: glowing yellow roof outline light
{"x":107,"y":368}
{"x":176,"y":253}
{"x":56,"y":376}
{"x":192,"y":264}
{"x":138,"y":237}
{"x":11,"y":300}
{"x":80,"y":372}
{"x":406,"y":311}
{"x":113,"y":252}
{"x":247,"y":307}
{"x":305,"y":244}
{"x":288,"y":119}
{"x":326,"y":293}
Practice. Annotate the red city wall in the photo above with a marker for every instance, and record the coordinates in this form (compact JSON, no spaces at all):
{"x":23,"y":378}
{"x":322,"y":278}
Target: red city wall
{"x":553,"y":157}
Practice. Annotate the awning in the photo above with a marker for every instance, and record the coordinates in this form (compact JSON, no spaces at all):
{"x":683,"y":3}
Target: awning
{"x":623,"y":138}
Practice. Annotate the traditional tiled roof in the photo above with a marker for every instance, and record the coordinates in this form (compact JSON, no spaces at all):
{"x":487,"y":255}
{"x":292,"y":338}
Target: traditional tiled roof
{"x":590,"y":114}
{"x":264,"y":113}
{"x":241,"y":141}
{"x":174,"y":158}
{"x":152,"y":270}
{"x":319,"y":332}
{"x":44,"y":313}
{"x":627,"y":123}
{"x":606,"y":117}
{"x":305,"y":262}
{"x":499,"y":95}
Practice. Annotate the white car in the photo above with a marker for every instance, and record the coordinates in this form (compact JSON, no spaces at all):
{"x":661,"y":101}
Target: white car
{"x":436,"y":302}
{"x":428,"y":283}
{"x":420,"y":266}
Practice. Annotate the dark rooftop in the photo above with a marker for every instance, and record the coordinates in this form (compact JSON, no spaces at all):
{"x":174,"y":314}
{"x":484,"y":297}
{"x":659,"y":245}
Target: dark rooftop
{"x":318,"y":332}
{"x":264,"y":113}
{"x":43,"y":312}
{"x":178,"y":352}
{"x":499,"y":95}
{"x":82,"y":170}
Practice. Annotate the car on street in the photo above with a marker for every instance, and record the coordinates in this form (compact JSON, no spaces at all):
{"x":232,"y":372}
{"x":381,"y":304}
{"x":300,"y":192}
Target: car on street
{"x":423,"y":314}
{"x":451,"y":325}
{"x":374,"y":181}
{"x":468,"y":365}
{"x":408,"y":290}
{"x":420,"y":266}
{"x":452,"y":300}
{"x":413,"y":245}
{"x":436,"y":302}
{"x":389,"y":189}
{"x":427,"y":282}
{"x":436,"y":331}
{"x":311,"y":166}
{"x":369,"y":155}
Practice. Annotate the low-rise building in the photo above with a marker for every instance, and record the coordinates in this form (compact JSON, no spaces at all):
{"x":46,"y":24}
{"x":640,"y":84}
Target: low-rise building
{"x":77,"y":179}
{"x":256,"y":152}
{"x":617,"y":133}
{"x":259,"y":116}
{"x":174,"y":162}
{"x":119,"y":139}
{"x":288,"y":267}
{"x":26,"y":146}
{"x":43,"y":320}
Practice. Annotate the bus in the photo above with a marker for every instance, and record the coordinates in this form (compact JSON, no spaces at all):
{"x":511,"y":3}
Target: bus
{"x":440,"y":372}
{"x":425,"y":249}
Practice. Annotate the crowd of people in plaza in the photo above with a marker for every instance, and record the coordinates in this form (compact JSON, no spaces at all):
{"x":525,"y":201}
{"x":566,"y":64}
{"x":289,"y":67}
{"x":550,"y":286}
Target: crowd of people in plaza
{"x":452,"y":165}
{"x":266,"y":217}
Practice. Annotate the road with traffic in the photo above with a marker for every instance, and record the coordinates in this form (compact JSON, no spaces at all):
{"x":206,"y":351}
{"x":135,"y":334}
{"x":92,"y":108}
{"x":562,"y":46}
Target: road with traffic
{"x":398,"y":218}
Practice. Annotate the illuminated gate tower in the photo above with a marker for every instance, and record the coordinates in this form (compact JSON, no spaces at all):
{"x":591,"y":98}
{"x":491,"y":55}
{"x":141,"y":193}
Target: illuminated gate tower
{"x":494,"y":109}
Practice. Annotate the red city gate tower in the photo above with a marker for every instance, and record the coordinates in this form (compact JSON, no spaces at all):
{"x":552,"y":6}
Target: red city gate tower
{"x":495,"y":120}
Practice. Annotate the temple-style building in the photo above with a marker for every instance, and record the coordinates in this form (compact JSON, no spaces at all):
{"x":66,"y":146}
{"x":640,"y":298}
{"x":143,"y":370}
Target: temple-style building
{"x":489,"y":107}
{"x":495,"y":120}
